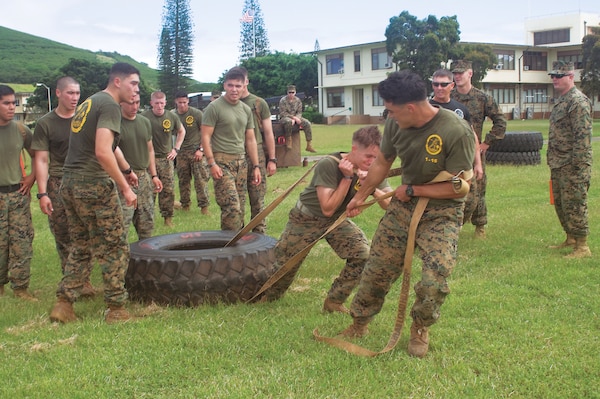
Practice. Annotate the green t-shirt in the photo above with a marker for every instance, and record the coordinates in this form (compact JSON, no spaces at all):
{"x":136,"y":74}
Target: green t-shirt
{"x":98,"y":111}
{"x":328,"y":174}
{"x":135,"y":135}
{"x":52,"y":134}
{"x":11,"y":144}
{"x":259,"y":107}
{"x":445,"y":143}
{"x":163,"y":128}
{"x":230,"y":123}
{"x":191,"y":121}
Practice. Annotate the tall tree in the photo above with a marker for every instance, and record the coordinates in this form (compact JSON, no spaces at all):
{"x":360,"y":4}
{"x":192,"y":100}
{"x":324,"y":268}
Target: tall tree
{"x":253,"y":34}
{"x":590,"y":76}
{"x":421,"y":45}
{"x":175,"y":52}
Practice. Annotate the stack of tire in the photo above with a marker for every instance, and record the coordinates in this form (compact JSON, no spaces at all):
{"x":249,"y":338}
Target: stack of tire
{"x":517,"y":148}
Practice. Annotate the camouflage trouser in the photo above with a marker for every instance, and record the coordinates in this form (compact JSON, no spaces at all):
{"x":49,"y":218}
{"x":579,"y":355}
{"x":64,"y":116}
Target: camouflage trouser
{"x":166,"y":198}
{"x":475,"y":206}
{"x":96,"y":224}
{"x":230,"y":190}
{"x":305,"y":125}
{"x":187,"y":167}
{"x":570,"y":187}
{"x":347,"y":240}
{"x":436,"y":239}
{"x":16,"y":238}
{"x":256,"y":194}
{"x":142,"y":217}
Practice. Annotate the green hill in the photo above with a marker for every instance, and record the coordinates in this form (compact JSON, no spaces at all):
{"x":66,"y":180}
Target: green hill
{"x":26,"y":58}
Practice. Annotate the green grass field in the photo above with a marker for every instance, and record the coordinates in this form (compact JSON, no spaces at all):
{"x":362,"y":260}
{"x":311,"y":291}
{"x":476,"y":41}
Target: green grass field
{"x":521,"y":321}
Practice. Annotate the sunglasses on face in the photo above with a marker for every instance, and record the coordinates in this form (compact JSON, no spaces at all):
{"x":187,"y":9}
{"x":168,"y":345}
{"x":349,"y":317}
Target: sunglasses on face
{"x":443,"y":84}
{"x":558,"y":75}
{"x":291,"y":92}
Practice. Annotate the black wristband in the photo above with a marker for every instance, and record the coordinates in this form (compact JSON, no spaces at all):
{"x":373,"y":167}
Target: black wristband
{"x":256,"y":167}
{"x":40,"y":195}
{"x":153,"y":176}
{"x":274,"y":160}
{"x":176,"y":150}
{"x":127,"y":171}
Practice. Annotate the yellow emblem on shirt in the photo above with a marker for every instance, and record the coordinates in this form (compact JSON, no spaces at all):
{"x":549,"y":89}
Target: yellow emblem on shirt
{"x":189,"y":120}
{"x":81,"y":115}
{"x":166,"y":125}
{"x":433,"y":144}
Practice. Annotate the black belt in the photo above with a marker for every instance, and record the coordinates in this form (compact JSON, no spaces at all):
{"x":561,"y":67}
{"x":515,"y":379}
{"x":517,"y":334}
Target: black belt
{"x":10,"y":189}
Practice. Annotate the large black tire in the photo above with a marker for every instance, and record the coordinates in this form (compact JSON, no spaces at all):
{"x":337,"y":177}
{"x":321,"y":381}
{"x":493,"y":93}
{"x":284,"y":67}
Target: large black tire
{"x":518,"y":142}
{"x":513,"y":158}
{"x":194,"y":268}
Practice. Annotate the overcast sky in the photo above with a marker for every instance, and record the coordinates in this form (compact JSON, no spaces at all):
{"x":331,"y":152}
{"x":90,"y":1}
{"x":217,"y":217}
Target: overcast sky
{"x":132,"y":27}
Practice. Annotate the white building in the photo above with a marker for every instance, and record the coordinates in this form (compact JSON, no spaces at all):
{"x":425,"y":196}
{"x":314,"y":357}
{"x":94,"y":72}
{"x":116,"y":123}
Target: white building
{"x":348,"y":76}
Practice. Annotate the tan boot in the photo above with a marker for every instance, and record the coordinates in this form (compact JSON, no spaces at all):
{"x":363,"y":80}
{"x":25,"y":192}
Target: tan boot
{"x":329,"y":307}
{"x":22,"y":293}
{"x":480,"y":231}
{"x":169,"y":222}
{"x":88,"y":290}
{"x":1,"y":290}
{"x":568,"y":242}
{"x":581,"y":249}
{"x":288,"y":142}
{"x":116,"y":314}
{"x":63,"y":312}
{"x":309,"y":146}
{"x":419,"y":340}
{"x":176,"y":205}
{"x":204,"y":210}
{"x":357,"y":329}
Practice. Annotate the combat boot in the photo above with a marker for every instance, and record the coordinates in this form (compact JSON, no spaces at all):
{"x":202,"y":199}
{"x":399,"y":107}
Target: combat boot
{"x":419,"y":340}
{"x":568,"y":242}
{"x":358,"y":329}
{"x":581,"y":249}
{"x":329,"y":307}
{"x":309,"y":146}
{"x":63,"y":312}
{"x":116,"y":314}
{"x":204,"y":210}
{"x":1,"y":290}
{"x":169,"y":222}
{"x":22,"y":293}
{"x":88,"y":290}
{"x":288,"y":142}
{"x":480,"y":231}
{"x":176,"y":205}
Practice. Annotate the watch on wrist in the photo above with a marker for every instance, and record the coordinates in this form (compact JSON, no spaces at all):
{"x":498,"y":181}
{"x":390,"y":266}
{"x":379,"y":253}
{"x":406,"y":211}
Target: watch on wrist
{"x":274,"y":160}
{"x":40,"y":195}
{"x":176,"y":150}
{"x":256,"y":167}
{"x":409,"y":191}
{"x":127,"y":171}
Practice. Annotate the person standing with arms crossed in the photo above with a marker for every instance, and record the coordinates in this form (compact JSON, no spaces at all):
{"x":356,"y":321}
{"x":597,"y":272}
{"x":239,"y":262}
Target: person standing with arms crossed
{"x":92,"y":175}
{"x":51,"y":143}
{"x":227,"y":135}
{"x":136,"y":146}
{"x":16,"y":225}
{"x":263,"y":131}
{"x":164,"y":123}
{"x":569,"y":157}
{"x":480,"y":105}
{"x":431,"y":142}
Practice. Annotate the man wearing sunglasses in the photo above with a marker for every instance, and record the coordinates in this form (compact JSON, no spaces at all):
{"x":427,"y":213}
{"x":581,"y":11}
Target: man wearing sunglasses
{"x":569,"y":157}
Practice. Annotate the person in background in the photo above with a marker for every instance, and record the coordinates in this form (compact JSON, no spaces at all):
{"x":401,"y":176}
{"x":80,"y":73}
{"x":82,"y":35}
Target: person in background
{"x":215,"y":94}
{"x":290,"y":114}
{"x":480,"y":105}
{"x":92,"y":175}
{"x":227,"y":136}
{"x":190,"y":160}
{"x":136,"y":146}
{"x":16,"y":225}
{"x":265,"y":139}
{"x":569,"y":157}
{"x":164,"y":124}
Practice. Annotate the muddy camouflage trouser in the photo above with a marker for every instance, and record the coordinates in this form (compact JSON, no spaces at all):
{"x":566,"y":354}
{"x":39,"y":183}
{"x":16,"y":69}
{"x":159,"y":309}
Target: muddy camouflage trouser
{"x":230,"y":190}
{"x":95,"y":223}
{"x":475,"y":205}
{"x":256,"y":194}
{"x":570,"y":187}
{"x":187,"y":167}
{"x":142,"y":217}
{"x":166,"y":198}
{"x":347,"y":240}
{"x":16,"y":238}
{"x":436,"y":239}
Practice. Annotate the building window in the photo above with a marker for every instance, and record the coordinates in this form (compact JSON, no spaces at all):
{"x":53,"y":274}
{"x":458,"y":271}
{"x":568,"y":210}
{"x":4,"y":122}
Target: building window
{"x":335,"y":97}
{"x":335,"y":63}
{"x":357,"y":61}
{"x":552,"y":36}
{"x":535,"y":61}
{"x":377,"y":100}
{"x":380,"y":59}
{"x":535,"y":94}
{"x":506,"y":59}
{"x":576,"y":57}
{"x":503,"y":94}
{"x":17,"y":102}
